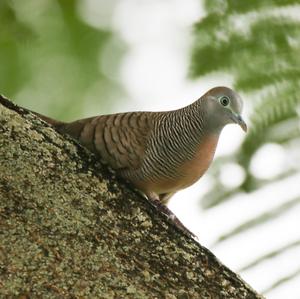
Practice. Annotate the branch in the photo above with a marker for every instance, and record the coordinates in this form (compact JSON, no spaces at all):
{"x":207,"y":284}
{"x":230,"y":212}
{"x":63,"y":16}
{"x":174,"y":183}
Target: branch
{"x":71,"y":229}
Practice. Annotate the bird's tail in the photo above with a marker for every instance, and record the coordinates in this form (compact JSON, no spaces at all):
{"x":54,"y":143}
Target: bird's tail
{"x":53,"y":122}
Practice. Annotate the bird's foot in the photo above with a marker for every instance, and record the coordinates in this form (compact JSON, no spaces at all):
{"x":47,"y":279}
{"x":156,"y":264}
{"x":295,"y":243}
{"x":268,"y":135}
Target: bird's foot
{"x":165,"y":210}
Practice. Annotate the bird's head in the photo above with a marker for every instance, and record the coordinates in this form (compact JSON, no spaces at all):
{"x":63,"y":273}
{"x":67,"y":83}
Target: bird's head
{"x":224,"y":106}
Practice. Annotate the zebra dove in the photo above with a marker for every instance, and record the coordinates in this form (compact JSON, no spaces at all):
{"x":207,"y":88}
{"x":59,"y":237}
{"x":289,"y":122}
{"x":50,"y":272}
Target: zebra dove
{"x":160,"y":153}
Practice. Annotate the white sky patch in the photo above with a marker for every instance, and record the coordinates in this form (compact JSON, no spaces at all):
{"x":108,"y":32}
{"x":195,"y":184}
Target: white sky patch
{"x":232,"y":175}
{"x":269,"y":161}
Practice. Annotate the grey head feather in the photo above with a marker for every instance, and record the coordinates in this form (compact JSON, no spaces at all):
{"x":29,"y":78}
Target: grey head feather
{"x":223,"y":106}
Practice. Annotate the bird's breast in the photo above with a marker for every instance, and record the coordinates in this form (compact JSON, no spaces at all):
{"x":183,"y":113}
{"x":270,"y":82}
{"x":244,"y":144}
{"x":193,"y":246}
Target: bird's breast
{"x":192,"y":170}
{"x":186,"y":174}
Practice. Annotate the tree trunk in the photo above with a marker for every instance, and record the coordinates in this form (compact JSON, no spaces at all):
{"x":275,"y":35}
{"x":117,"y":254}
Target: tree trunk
{"x":70,"y":229}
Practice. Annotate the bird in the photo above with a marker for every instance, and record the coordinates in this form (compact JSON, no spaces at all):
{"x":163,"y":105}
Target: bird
{"x":159,"y":153}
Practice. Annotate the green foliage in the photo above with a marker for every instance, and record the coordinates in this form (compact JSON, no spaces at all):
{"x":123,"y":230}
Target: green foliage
{"x":50,"y":58}
{"x":260,"y":48}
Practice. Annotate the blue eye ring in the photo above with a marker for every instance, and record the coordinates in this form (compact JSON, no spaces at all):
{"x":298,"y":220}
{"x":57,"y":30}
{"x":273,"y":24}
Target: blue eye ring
{"x":225,"y":101}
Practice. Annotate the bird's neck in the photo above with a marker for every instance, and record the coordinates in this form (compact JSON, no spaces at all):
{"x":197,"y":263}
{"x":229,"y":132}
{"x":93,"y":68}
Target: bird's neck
{"x":197,"y":120}
{"x":188,"y":128}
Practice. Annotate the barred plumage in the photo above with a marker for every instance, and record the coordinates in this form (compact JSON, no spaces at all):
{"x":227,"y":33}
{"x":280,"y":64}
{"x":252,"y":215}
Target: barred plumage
{"x":159,"y":152}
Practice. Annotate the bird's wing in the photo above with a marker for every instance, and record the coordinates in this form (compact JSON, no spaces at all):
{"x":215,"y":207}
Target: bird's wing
{"x":119,"y":139}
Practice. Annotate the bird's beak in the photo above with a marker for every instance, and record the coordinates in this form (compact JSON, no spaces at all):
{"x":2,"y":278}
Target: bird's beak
{"x":239,"y":120}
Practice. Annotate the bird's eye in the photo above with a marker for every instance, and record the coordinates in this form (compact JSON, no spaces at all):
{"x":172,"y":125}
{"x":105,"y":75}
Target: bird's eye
{"x":224,"y":101}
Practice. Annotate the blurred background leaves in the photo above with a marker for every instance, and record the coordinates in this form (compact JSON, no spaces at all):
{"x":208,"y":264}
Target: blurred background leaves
{"x":258,"y":43}
{"x":58,"y":58}
{"x":52,"y":60}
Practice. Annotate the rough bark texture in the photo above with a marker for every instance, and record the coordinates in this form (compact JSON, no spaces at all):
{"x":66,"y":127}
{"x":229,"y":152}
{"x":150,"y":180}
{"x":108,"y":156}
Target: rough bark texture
{"x":70,"y":229}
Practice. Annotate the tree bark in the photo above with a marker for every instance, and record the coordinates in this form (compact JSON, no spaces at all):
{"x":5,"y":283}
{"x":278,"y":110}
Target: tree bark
{"x":69,"y":228}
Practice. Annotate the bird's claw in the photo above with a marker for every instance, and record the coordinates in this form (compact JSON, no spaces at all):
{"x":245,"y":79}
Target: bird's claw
{"x":165,"y":210}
